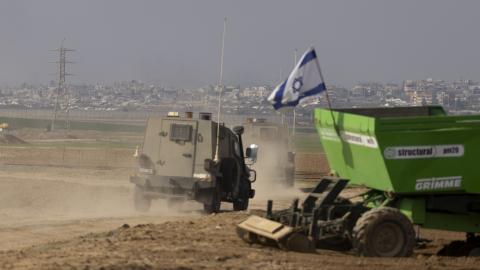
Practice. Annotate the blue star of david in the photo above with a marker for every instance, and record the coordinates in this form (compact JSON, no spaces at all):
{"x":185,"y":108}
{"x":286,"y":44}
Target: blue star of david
{"x":297,"y":84}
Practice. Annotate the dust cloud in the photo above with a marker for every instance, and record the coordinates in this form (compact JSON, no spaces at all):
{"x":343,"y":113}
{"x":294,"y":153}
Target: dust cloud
{"x":24,"y":201}
{"x":271,"y":175}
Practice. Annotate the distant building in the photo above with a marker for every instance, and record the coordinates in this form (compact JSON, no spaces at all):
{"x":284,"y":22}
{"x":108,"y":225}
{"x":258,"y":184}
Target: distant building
{"x":256,"y":91}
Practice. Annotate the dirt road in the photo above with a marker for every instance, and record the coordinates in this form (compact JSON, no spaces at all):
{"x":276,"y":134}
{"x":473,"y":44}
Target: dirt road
{"x":41,"y":204}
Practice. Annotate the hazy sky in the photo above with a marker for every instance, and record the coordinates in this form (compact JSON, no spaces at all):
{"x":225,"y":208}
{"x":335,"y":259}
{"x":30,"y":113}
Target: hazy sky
{"x":177,"y":43}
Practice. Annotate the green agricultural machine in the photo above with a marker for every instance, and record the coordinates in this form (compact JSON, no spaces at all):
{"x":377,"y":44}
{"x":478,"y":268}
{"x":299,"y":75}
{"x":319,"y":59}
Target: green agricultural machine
{"x":419,"y":167}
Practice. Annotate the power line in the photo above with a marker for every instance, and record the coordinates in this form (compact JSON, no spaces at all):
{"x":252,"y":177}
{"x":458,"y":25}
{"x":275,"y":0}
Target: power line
{"x":62,"y":93}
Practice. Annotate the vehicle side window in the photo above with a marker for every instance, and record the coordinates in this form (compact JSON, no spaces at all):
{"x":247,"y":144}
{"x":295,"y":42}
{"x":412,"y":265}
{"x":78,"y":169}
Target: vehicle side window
{"x":179,"y":132}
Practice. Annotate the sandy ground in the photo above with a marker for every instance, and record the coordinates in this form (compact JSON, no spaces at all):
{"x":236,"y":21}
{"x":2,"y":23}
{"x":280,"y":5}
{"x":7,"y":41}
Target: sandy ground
{"x":45,"y":203}
{"x":206,"y":242}
{"x":82,"y":217}
{"x":39,"y":204}
{"x":67,"y":218}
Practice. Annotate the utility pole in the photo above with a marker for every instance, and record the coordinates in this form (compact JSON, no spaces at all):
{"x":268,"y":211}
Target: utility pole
{"x":62,"y":95}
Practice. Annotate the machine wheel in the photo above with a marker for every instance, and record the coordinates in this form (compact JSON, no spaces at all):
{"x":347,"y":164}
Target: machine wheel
{"x":383,"y":232}
{"x":213,"y":204}
{"x":141,"y":203}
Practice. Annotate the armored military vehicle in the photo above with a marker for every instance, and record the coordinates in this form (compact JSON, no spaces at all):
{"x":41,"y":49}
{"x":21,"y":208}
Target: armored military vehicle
{"x":176,"y":162}
{"x":277,"y":160}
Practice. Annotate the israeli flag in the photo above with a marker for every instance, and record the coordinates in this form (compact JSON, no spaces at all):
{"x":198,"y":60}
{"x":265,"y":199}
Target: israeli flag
{"x":305,"y":80}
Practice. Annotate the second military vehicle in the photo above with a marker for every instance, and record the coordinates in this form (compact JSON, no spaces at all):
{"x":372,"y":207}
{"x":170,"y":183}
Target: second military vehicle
{"x":176,"y":162}
{"x":277,"y":159}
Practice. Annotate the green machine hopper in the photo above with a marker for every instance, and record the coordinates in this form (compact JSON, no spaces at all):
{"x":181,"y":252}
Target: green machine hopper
{"x":419,"y":167}
{"x":416,"y":159}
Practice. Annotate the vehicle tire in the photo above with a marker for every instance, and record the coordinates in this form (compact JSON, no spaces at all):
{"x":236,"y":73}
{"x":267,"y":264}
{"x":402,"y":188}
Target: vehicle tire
{"x":213,"y":203}
{"x":383,"y":232}
{"x":140,"y":202}
{"x":240,"y":204}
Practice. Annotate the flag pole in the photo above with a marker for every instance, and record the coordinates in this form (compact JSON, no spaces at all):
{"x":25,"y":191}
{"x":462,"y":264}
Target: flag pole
{"x":294,"y":111}
{"x":326,"y":94}
{"x":220,"y":84}
{"x":282,"y":113}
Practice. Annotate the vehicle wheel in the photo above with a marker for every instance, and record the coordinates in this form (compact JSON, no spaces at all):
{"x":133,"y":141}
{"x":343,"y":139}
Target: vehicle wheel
{"x":213,"y":204}
{"x":240,"y":204}
{"x":383,"y":232}
{"x":141,"y":203}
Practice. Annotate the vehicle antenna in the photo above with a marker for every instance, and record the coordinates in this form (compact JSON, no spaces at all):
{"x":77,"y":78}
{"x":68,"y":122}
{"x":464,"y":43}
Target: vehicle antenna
{"x":220,"y":86}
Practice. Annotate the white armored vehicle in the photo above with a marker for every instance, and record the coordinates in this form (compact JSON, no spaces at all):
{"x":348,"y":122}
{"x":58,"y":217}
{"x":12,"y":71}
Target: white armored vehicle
{"x":176,"y":162}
